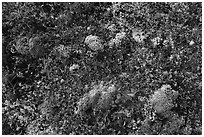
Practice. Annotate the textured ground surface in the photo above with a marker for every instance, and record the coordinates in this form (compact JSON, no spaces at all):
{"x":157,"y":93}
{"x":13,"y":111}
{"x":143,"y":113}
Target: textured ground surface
{"x":102,"y":68}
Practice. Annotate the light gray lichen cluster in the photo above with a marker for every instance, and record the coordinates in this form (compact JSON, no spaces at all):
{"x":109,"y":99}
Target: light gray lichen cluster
{"x":94,"y":43}
{"x":162,"y":99}
{"x":99,"y":98}
{"x":63,"y":51}
{"x":29,"y":46}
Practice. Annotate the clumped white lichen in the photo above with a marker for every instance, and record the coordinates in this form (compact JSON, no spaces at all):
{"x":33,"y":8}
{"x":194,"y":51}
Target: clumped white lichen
{"x":162,"y":99}
{"x":99,"y":98}
{"x":29,"y":46}
{"x":22,"y":46}
{"x":36,"y":48}
{"x":138,"y":35}
{"x":94,"y":43}
{"x":118,"y":39}
{"x":62,"y":50}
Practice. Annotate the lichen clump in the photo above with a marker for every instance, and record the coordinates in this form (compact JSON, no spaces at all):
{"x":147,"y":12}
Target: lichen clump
{"x":36,"y":47}
{"x":162,"y":99}
{"x":118,"y":39}
{"x":32,"y":46}
{"x":138,"y":35}
{"x":63,"y":51}
{"x":99,"y":98}
{"x":22,"y":46}
{"x":94,"y":43}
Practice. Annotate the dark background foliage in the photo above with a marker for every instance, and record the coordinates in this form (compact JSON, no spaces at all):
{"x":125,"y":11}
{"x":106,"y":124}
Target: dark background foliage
{"x":40,"y":94}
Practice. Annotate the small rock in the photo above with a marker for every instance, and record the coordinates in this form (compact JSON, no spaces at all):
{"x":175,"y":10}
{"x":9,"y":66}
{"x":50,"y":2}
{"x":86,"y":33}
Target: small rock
{"x":191,"y":43}
{"x":131,"y":94}
{"x":88,"y":28}
{"x":57,"y":35}
{"x":47,"y":87}
{"x":171,"y":57}
{"x":165,"y":73}
{"x":108,"y":9}
{"x":124,"y":75}
{"x":62,"y":81}
{"x":74,"y":67}
{"x":112,"y":27}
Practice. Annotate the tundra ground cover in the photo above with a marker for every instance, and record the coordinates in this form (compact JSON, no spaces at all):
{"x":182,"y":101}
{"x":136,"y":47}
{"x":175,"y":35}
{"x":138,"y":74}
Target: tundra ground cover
{"x":101,"y":68}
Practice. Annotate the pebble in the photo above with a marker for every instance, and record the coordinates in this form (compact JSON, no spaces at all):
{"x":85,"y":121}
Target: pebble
{"x":73,"y":67}
{"x":191,"y":43}
{"x":165,"y":73}
{"x":62,"y":81}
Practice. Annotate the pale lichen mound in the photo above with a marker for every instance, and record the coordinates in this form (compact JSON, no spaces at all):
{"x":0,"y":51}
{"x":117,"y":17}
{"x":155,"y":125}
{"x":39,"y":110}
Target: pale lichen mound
{"x":99,"y":98}
{"x":63,"y":51}
{"x":22,"y":46}
{"x":30,"y":46}
{"x":162,"y":99}
{"x":138,"y":35}
{"x":36,"y":47}
{"x":117,"y":40}
{"x":94,"y":43}
{"x":106,"y":97}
